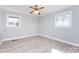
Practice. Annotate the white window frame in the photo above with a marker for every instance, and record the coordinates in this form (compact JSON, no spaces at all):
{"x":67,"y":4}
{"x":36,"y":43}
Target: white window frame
{"x":61,"y":15}
{"x":13,"y":15}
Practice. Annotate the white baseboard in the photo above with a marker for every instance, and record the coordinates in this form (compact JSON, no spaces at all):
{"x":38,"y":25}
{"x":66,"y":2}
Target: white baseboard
{"x":19,"y":37}
{"x":63,"y":41}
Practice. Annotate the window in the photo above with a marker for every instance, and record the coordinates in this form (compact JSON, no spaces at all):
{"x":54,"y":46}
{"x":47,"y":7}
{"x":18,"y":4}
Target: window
{"x":13,"y":21}
{"x":63,"y":19}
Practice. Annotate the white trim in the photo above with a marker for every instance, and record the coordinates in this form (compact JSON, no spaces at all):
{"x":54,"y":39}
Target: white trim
{"x":19,"y":37}
{"x":63,"y":41}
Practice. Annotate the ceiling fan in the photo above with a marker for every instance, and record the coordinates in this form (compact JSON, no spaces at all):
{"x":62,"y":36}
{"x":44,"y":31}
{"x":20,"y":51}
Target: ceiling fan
{"x":36,"y":9}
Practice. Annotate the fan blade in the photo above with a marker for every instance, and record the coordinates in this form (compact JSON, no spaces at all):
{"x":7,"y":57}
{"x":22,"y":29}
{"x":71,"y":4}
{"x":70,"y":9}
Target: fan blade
{"x":31,"y":12}
{"x":30,"y":7}
{"x":36,"y":5}
{"x":41,"y":8}
{"x":39,"y":13}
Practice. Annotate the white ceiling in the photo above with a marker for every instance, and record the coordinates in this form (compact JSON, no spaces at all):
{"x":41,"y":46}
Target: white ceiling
{"x":24,"y":9}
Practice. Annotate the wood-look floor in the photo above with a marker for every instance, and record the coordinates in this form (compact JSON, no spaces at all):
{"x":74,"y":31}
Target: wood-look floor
{"x":36,"y":44}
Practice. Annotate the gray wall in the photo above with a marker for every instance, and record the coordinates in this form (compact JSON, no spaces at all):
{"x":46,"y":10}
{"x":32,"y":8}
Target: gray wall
{"x":68,"y":34}
{"x":0,"y":26}
{"x":29,"y":26}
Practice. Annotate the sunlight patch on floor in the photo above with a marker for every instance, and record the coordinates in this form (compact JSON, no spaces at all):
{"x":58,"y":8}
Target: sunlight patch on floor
{"x":55,"y":51}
